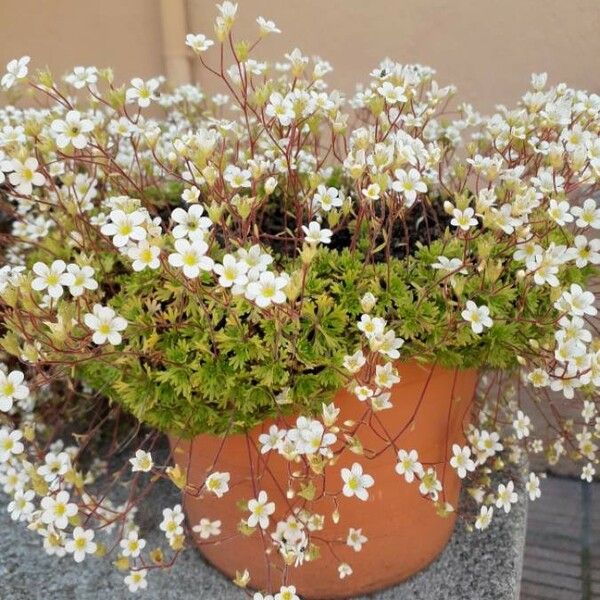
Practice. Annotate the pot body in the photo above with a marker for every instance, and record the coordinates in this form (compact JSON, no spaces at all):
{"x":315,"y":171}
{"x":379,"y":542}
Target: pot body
{"x":432,"y":405}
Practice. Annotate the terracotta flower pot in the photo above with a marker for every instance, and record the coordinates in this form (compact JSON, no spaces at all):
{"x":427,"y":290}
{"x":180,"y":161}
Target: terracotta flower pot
{"x":431,"y":407}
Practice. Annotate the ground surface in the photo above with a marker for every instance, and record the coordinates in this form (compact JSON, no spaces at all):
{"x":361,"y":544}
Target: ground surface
{"x":473,"y":567}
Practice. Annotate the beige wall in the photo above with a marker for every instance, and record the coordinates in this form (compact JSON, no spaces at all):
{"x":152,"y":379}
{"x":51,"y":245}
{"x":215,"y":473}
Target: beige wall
{"x":486,"y":47}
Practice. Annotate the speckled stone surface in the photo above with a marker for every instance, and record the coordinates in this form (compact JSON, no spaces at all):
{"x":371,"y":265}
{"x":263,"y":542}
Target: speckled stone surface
{"x":472,"y":567}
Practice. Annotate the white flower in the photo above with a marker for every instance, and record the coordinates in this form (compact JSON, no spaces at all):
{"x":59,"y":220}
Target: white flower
{"x":206,"y":528}
{"x":141,"y":91}
{"x":392,"y":94}
{"x":287,"y":592}
{"x":559,"y":212}
{"x":588,"y":215}
{"x":372,"y":191}
{"x":21,"y":506}
{"x":81,"y":543}
{"x":82,"y":77}
{"x":386,"y":376}
{"x":51,"y":278}
{"x":171,"y":523}
{"x":409,"y":184}
{"x":356,"y":483}
{"x":387,"y":344}
{"x":506,"y":496}
{"x":191,"y":257}
{"x":449,"y":265}
{"x":217,"y":483}
{"x":136,"y":580}
{"x":577,"y":302}
{"x":484,"y":518}
{"x":132,"y":545}
{"x":106,"y":325}
{"x":54,"y":466}
{"x":15,"y":69}
{"x":368,"y":302}
{"x":268,"y":289}
{"x":72,"y":130}
{"x":532,"y":486}
{"x":327,"y":198}
{"x":408,"y":465}
{"x":430,"y":485}
{"x":355,"y":362}
{"x":588,"y":472}
{"x":371,"y":326}
{"x":142,"y":461}
{"x":190,"y":223}
{"x":464,"y":218}
{"x":57,"y":510}
{"x":489,"y":443}
{"x":11,"y":388}
{"x":190,"y":195}
{"x":260,"y":510}
{"x":315,"y":235}
{"x":478,"y":316}
{"x":232,"y":272}
{"x":198,"y":42}
{"x":462,"y":461}
{"x":281,"y":108}
{"x":585,"y":251}
{"x":344,"y":570}
{"x":78,"y":279}
{"x":521,"y":425}
{"x":356,"y":539}
{"x":10,"y":443}
{"x":143,"y":255}
{"x":124,"y":227}
{"x":237,"y":177}
{"x":271,"y":440}
{"x":266,"y":26}
{"x":24,"y":175}
{"x":256,"y":259}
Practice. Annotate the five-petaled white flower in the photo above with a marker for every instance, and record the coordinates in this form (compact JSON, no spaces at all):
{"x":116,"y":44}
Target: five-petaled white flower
{"x":232,"y":272}
{"x":142,"y":461}
{"x":24,"y":175}
{"x":356,"y":539}
{"x":11,"y":388}
{"x":521,"y":425}
{"x":21,"y":506}
{"x":588,"y":472}
{"x":10,"y":443}
{"x":327,"y":198}
{"x":143,"y":255}
{"x":287,"y":592}
{"x":50,"y":278}
{"x":72,"y":130}
{"x":315,"y":235}
{"x":142,"y":91}
{"x":81,"y":543}
{"x":484,"y":518}
{"x":15,"y":69}
{"x":408,"y":465}
{"x":462,"y":461}
{"x":237,"y":177}
{"x":532,"y":486}
{"x":198,"y":42}
{"x":506,"y":496}
{"x":260,"y":510}
{"x":190,"y":223}
{"x":136,"y":580}
{"x":191,"y":257}
{"x":57,"y":510}
{"x":409,"y":184}
{"x":78,"y":279}
{"x":124,"y":227}
{"x":132,"y":545}
{"x":392,"y":93}
{"x":266,"y":26}
{"x":171,"y":523}
{"x":478,"y":316}
{"x":577,"y":302}
{"x":106,"y":325}
{"x":356,"y":483}
{"x":464,"y":219}
{"x":207,"y":528}
{"x":217,"y":483}
{"x":269,"y":289}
